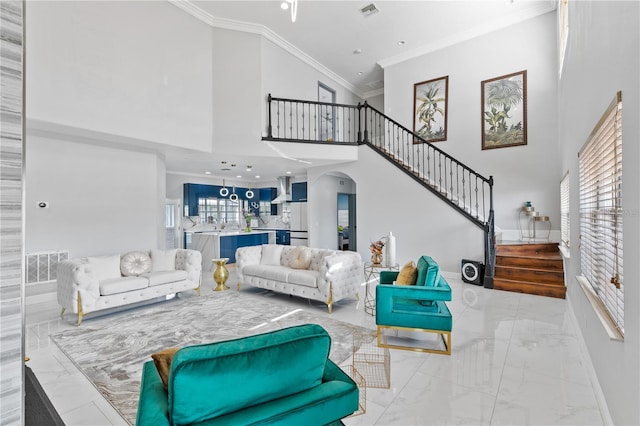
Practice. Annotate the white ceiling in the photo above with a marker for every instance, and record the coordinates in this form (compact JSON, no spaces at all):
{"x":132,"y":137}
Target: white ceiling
{"x":327,"y":33}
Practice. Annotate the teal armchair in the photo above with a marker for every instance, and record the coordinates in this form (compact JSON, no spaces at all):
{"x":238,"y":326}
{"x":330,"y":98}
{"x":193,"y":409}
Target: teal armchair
{"x":419,"y":307}
{"x":283,"y":377}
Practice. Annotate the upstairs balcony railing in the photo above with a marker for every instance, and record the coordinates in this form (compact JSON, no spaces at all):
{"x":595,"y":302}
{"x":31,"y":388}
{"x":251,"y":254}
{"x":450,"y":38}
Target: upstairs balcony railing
{"x":464,"y":189}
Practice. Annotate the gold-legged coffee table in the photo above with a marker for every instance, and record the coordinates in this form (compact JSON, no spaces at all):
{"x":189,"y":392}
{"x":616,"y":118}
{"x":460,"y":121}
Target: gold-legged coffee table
{"x":221,"y":273}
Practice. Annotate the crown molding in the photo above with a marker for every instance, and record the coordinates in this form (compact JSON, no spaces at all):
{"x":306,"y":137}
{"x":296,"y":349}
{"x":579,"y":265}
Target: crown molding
{"x":372,"y":93}
{"x":247,"y":27}
{"x":463,"y":36}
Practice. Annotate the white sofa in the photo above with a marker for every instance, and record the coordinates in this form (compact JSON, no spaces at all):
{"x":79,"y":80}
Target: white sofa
{"x":313,"y":273}
{"x":95,"y":283}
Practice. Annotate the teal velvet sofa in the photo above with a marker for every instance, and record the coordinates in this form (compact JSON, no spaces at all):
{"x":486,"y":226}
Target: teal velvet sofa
{"x":282,"y":377}
{"x":419,"y":307}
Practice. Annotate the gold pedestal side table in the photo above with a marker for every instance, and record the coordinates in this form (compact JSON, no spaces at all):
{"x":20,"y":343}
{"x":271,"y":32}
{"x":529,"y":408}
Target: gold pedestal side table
{"x":372,"y":273}
{"x":221,"y":273}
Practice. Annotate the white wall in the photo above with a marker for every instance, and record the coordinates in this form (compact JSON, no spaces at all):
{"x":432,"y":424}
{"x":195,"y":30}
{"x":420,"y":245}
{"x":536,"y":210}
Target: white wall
{"x":322,"y":196}
{"x":388,"y":200}
{"x":286,"y":76}
{"x":121,"y":68}
{"x":601,"y":59}
{"x":101,"y":200}
{"x":522,"y":173}
{"x":236,"y":94}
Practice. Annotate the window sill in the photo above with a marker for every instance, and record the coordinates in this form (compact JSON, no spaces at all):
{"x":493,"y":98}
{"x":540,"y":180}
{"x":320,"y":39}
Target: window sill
{"x":600,"y":310}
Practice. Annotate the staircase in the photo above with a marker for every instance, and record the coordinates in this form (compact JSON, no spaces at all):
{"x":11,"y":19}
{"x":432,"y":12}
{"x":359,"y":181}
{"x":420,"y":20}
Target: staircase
{"x":530,"y":268}
{"x":462,"y":188}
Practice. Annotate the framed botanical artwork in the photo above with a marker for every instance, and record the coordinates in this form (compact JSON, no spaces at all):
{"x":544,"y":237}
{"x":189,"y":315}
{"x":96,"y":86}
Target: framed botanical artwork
{"x":430,"y":109}
{"x":504,"y":111}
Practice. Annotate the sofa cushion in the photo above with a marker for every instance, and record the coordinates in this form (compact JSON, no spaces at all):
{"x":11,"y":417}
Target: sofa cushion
{"x":164,"y":277}
{"x":122,"y":285}
{"x":408,"y":274}
{"x":271,"y":254}
{"x":135,"y":263}
{"x":428,"y":272}
{"x":267,"y":272}
{"x":298,"y":258}
{"x":105,"y":267}
{"x":162,"y":361}
{"x":303,"y":277}
{"x":163,"y":260}
{"x":276,"y":365}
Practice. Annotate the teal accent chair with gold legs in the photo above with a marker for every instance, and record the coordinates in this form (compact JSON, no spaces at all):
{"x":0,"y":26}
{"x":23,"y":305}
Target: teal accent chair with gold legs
{"x":283,"y":377}
{"x":417,"y":308}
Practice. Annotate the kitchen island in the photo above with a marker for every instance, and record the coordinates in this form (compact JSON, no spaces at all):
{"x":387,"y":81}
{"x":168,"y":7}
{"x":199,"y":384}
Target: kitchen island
{"x":221,"y":244}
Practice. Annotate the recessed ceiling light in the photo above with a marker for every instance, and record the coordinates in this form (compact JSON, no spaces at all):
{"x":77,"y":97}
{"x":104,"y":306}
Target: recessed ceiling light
{"x":239,"y":176}
{"x":223,"y":162}
{"x":249,"y":168}
{"x":233,"y":165}
{"x":359,"y":72}
{"x":288,"y":173}
{"x":401,"y":43}
{"x":284,"y":5}
{"x":357,"y":51}
{"x":207,"y":173}
{"x":257,"y":176}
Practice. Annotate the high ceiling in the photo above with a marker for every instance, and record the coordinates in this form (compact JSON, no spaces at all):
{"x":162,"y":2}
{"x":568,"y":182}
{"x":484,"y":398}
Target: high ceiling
{"x":354,"y":48}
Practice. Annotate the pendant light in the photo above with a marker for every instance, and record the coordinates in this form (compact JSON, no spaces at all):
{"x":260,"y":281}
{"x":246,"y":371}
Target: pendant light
{"x":249,"y":194}
{"x":224,"y":191}
{"x":233,"y":196}
{"x":294,"y":8}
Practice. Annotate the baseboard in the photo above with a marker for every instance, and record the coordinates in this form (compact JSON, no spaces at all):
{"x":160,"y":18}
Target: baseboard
{"x":42,"y":298}
{"x":595,"y":383}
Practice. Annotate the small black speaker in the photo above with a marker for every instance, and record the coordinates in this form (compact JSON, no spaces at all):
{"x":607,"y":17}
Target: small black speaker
{"x":472,"y":272}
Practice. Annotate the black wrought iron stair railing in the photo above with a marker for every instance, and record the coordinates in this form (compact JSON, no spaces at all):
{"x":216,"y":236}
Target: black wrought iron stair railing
{"x":464,"y":189}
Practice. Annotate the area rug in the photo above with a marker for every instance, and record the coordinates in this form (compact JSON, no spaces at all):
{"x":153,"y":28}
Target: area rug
{"x":110,"y":351}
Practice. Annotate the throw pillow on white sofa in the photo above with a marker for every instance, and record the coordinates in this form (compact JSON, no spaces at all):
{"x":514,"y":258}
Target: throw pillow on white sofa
{"x":163,"y":260}
{"x":271,"y":254}
{"x":135,"y":263}
{"x":105,"y":267}
{"x":299,"y":258}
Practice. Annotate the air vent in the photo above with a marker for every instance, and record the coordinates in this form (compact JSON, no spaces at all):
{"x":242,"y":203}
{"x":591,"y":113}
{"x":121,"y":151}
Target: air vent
{"x":369,"y":10}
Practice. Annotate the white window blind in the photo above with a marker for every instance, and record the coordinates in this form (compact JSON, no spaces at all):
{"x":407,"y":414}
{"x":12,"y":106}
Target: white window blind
{"x":564,"y":211}
{"x":600,"y":162}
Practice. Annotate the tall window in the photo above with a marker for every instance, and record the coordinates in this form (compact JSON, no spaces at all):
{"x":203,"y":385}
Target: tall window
{"x":600,"y":163}
{"x":564,"y":211}
{"x":219,"y":211}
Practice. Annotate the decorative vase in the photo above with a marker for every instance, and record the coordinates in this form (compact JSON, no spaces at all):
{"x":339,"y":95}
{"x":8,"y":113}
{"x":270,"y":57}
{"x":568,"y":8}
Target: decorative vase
{"x":221,"y":274}
{"x":376,"y":259}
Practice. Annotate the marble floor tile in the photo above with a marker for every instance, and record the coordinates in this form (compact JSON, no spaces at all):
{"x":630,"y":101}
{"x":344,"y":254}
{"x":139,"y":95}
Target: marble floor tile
{"x":515,"y":361}
{"x":528,"y":397}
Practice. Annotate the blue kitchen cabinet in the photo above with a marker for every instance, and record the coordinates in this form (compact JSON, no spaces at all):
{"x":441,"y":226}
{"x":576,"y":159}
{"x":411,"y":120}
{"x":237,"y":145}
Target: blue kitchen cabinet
{"x":229,"y":243}
{"x":283,"y":237}
{"x":299,"y":192}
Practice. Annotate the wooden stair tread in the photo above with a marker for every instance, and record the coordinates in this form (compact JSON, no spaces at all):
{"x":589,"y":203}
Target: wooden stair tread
{"x":512,"y":281}
{"x":549,"y":290}
{"x":548,"y":256}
